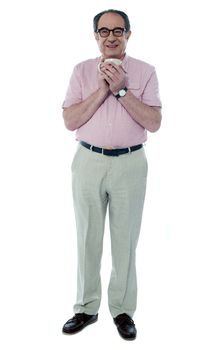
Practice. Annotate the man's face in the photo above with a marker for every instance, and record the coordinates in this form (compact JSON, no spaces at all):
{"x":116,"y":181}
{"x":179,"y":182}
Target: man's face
{"x":112,"y":46}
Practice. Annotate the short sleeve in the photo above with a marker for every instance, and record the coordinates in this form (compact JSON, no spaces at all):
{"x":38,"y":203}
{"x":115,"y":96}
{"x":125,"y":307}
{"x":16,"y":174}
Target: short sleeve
{"x":150,"y":94}
{"x":74,"y":93}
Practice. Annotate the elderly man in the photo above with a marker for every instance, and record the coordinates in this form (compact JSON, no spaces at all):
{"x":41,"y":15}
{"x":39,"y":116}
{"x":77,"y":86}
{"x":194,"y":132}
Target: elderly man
{"x":111,"y":102}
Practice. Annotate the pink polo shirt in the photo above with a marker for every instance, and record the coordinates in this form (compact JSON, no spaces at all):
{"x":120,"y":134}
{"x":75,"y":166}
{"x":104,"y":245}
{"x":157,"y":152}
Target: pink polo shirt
{"x":111,"y":124}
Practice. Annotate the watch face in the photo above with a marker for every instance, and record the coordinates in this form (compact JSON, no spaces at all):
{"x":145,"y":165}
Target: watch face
{"x":122,"y":92}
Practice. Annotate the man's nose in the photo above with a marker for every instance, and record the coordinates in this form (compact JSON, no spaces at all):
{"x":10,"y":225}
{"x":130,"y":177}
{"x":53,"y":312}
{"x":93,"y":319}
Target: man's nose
{"x":111,"y":37}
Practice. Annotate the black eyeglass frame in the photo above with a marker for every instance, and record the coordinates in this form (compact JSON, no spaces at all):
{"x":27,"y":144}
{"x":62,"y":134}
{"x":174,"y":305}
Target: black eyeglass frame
{"x":111,"y":30}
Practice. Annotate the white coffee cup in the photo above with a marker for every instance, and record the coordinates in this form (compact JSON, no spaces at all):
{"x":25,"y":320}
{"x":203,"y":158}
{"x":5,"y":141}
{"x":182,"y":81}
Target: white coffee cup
{"x":110,"y":60}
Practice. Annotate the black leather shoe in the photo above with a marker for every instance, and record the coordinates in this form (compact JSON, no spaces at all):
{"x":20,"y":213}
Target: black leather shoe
{"x":125,"y":326}
{"x":78,"y":322}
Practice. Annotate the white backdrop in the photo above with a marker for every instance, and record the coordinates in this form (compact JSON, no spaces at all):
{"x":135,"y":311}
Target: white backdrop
{"x":41,"y":41}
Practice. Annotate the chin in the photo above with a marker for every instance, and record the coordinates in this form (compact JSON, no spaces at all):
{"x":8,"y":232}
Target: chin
{"x":112,"y":55}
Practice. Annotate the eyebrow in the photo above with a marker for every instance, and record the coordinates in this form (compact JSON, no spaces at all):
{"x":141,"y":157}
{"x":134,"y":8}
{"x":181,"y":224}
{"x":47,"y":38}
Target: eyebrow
{"x":110,"y":28}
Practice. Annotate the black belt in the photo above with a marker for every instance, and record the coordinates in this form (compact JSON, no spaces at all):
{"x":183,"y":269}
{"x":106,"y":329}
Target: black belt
{"x":111,"y":152}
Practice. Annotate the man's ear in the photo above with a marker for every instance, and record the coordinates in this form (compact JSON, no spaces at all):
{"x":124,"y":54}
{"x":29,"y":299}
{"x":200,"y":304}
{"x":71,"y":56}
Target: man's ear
{"x":128,"y":34}
{"x":96,"y":35}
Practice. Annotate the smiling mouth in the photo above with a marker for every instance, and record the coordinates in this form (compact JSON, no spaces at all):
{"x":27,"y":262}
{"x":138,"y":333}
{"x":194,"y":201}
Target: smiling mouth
{"x":111,"y":46}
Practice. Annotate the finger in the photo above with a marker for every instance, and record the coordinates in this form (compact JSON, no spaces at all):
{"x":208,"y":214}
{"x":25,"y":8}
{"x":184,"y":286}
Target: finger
{"x":117,"y":67}
{"x":123,"y":69}
{"x":102,"y":67}
{"x":110,"y":74}
{"x":103,"y":76}
{"x":110,"y":66}
{"x":106,"y":77}
{"x":107,"y":67}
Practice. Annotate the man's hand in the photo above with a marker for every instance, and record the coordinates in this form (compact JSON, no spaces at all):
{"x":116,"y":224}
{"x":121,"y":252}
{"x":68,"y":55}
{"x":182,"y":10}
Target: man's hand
{"x":103,"y":84}
{"x":114,"y":75}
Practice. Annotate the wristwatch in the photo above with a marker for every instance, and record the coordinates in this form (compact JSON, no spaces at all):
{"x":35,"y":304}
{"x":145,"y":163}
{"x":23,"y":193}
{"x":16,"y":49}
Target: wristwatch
{"x":121,"y":93}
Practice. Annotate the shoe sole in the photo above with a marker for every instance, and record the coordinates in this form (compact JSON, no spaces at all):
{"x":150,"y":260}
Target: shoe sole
{"x":126,"y":338}
{"x":79,"y":330}
{"x":129,"y":339}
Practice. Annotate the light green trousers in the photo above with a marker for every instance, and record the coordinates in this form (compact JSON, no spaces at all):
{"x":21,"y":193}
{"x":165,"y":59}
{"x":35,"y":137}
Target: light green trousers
{"x":98,"y":181}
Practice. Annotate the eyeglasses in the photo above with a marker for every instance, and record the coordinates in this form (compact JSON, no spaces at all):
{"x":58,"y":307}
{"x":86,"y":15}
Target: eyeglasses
{"x":105,"y":32}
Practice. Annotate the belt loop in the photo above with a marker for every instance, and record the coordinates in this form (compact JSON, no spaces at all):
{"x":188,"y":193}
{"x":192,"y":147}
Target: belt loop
{"x":103,"y":151}
{"x":129,"y":149}
{"x":91,"y":147}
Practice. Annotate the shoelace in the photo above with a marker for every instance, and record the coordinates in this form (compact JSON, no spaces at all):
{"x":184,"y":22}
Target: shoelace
{"x":124,"y":317}
{"x":78,"y":316}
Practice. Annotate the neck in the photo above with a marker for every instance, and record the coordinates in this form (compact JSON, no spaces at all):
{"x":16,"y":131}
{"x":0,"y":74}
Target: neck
{"x":119,"y":58}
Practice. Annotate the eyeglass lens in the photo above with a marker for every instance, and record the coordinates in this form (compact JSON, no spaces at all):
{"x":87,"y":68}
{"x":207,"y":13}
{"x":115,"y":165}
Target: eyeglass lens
{"x":105,"y":32}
